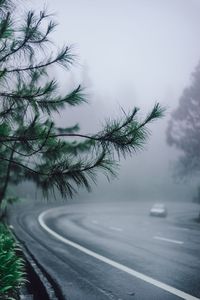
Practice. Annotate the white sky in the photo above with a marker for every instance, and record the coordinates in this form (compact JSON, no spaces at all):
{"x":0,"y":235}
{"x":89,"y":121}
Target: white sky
{"x":133,"y":52}
{"x":148,"y":47}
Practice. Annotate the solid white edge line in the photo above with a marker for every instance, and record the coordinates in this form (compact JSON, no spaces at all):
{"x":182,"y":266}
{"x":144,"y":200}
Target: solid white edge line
{"x":168,"y":240}
{"x":114,"y":264}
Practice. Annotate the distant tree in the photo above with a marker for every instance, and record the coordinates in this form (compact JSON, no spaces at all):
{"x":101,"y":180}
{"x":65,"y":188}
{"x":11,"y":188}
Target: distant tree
{"x":183,"y":130}
{"x":32,"y":147}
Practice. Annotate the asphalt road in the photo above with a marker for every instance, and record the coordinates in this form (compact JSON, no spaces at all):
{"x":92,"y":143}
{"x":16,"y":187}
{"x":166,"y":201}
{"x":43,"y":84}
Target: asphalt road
{"x":116,"y":250}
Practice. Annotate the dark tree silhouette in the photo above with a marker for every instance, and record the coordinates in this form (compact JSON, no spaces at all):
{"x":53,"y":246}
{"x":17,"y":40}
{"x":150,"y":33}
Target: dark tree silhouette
{"x":184,"y":129}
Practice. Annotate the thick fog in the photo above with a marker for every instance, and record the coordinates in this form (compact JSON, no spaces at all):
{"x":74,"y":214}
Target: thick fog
{"x":130,"y":53}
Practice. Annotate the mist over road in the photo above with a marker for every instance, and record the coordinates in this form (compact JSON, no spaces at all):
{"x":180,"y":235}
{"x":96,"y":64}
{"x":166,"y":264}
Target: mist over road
{"x":129,"y":255}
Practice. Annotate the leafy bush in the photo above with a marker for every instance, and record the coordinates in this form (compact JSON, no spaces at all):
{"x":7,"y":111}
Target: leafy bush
{"x":12,"y":275}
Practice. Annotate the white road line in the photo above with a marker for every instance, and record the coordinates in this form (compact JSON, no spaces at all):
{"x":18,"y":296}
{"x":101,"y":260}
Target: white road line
{"x":116,"y":228}
{"x":168,"y":240}
{"x":113,"y":263}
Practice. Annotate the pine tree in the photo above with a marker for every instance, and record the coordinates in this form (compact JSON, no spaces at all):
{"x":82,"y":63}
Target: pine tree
{"x":184,"y":125}
{"x":32,"y":147}
{"x":183,"y":130}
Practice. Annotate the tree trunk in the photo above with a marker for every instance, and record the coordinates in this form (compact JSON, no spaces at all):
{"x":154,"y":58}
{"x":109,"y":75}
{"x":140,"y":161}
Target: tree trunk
{"x":4,"y":188}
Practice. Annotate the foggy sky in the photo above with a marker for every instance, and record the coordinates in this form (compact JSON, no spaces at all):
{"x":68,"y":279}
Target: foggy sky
{"x":131,"y":53}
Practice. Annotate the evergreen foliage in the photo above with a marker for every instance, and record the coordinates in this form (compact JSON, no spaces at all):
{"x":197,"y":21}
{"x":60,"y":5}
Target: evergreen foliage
{"x":12,"y":275}
{"x":32,"y":147}
{"x":183,"y":131}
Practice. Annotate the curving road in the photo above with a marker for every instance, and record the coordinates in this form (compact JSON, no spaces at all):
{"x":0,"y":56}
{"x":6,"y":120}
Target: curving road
{"x":115,"y":250}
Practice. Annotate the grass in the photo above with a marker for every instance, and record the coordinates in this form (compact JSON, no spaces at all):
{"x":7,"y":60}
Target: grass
{"x":12,"y":275}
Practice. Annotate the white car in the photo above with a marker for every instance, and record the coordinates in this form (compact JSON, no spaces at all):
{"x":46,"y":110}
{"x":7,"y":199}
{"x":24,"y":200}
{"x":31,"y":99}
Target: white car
{"x":159,"y":210}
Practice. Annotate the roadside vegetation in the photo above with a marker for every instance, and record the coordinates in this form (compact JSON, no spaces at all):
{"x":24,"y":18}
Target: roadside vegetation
{"x":12,"y":275}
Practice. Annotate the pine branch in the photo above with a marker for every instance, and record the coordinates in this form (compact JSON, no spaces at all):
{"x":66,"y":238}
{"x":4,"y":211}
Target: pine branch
{"x":31,"y":34}
{"x":120,"y":134}
{"x":62,"y":173}
{"x":35,"y":151}
{"x":5,"y":27}
{"x":7,"y":111}
{"x":32,"y":93}
{"x":157,"y":112}
{"x":74,"y":98}
{"x":64,"y":58}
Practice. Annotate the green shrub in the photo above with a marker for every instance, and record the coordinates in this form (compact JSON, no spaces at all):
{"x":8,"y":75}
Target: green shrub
{"x":12,"y":275}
